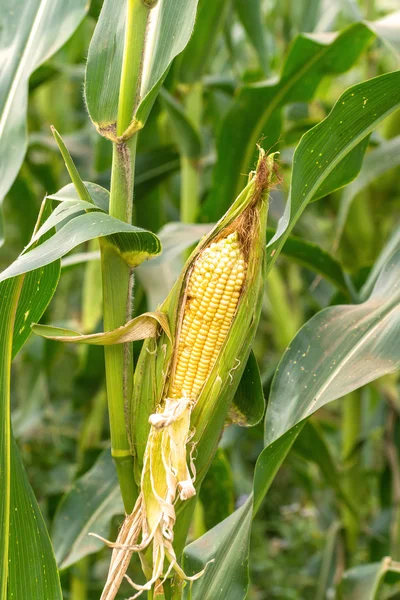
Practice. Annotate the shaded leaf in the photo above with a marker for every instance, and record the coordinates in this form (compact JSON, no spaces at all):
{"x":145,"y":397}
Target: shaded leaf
{"x":188,"y":138}
{"x":376,"y":163}
{"x":365,"y":581}
{"x":248,"y":404}
{"x":251,"y":18}
{"x":87,"y":508}
{"x":217,"y":491}
{"x":314,"y":258}
{"x":195,"y":60}
{"x":313,"y":447}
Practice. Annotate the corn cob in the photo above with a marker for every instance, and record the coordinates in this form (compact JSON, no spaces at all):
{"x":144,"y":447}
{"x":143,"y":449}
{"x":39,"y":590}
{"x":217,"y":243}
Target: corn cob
{"x":213,"y":311}
{"x":212,"y":297}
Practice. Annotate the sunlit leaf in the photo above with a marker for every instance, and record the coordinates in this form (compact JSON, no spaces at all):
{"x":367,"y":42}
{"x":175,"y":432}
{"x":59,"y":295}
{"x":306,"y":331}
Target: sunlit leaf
{"x":31,"y":32}
{"x":356,"y":113}
{"x":170,"y":26}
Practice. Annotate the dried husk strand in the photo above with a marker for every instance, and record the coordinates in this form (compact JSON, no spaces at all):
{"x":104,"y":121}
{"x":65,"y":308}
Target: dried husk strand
{"x":171,"y":430}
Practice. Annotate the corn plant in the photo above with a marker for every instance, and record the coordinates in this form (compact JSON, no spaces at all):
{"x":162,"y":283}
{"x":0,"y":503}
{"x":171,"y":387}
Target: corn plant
{"x":183,"y":313}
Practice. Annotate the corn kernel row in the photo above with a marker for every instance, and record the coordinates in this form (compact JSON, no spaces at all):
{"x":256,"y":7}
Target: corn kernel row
{"x":213,"y":293}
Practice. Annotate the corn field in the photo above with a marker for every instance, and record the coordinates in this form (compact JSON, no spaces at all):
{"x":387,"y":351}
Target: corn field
{"x":199,"y":299}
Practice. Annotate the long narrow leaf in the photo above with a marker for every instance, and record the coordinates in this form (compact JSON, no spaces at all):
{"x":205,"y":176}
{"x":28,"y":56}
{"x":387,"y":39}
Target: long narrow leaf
{"x":31,"y":32}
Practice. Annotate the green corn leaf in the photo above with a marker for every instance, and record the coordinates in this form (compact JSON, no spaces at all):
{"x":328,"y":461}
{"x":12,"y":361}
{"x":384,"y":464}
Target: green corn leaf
{"x":364,"y":582}
{"x":315,"y":258}
{"x":195,"y":60}
{"x":357,"y":112}
{"x":31,"y":32}
{"x":338,"y":350}
{"x":248,"y":405}
{"x":217,"y":491}
{"x":98,"y":194}
{"x":250,"y":15}
{"x":376,"y":163}
{"x":391,"y":246}
{"x":87,"y":508}
{"x":186,"y":134}
{"x":228,"y":544}
{"x":27,"y":564}
{"x":313,"y":447}
{"x":257,"y":110}
{"x":37,"y":289}
{"x":171,"y":24}
{"x":135,"y":244}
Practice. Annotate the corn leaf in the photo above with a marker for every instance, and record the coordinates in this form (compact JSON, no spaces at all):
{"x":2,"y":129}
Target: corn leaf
{"x":315,"y":258}
{"x":376,"y":163}
{"x":87,"y":508}
{"x":391,"y":246}
{"x":251,"y":17}
{"x":228,"y":543}
{"x":185,"y":132}
{"x":248,"y":405}
{"x":134,"y":243}
{"x":140,"y":328}
{"x":322,"y":149}
{"x":217,"y":491}
{"x":31,"y":32}
{"x":195,"y":60}
{"x":338,"y":350}
{"x":170,"y":26}
{"x":27,"y":564}
{"x":257,"y":110}
{"x":364,"y":582}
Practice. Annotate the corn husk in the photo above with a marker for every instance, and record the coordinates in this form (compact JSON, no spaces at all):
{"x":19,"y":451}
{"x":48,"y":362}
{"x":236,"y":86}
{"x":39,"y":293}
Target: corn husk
{"x":174,"y":441}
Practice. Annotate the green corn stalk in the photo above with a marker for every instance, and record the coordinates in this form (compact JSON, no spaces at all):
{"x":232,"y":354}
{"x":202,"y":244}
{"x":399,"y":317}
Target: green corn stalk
{"x":174,"y":440}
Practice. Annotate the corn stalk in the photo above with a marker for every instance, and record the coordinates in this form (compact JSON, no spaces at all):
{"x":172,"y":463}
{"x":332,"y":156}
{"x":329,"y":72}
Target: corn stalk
{"x":117,"y":275}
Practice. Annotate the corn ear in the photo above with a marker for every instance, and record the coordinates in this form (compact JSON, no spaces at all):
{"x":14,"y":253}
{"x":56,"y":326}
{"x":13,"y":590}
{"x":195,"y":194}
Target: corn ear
{"x":184,"y":385}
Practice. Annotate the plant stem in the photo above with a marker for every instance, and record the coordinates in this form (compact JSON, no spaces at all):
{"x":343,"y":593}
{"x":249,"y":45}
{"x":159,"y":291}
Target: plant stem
{"x":131,"y":75}
{"x":351,"y":426}
{"x":190,"y":175}
{"x":79,"y":579}
{"x":116,"y":274}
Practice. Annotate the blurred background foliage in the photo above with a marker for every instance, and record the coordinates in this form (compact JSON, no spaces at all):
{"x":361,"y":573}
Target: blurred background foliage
{"x":307,"y":532}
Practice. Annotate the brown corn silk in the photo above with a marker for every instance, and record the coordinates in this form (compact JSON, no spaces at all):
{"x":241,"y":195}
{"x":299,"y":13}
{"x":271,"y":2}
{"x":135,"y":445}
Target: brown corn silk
{"x":216,"y":280}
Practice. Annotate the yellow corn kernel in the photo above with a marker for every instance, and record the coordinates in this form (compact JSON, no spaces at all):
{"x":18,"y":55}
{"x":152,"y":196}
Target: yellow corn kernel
{"x":213,"y":293}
